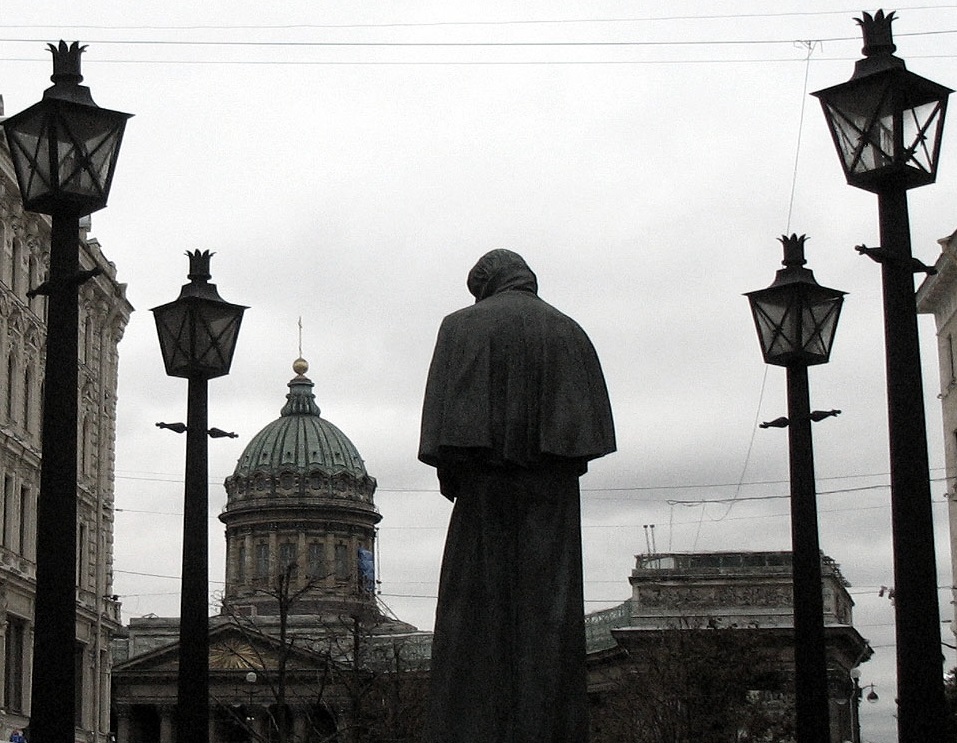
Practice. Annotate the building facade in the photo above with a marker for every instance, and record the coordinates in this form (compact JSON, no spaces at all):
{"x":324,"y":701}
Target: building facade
{"x":706,"y":643}
{"x":104,"y":313}
{"x":937,"y":296}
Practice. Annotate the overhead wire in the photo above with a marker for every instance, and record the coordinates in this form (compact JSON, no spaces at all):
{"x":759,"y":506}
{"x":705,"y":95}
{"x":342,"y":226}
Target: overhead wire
{"x":480,"y":23}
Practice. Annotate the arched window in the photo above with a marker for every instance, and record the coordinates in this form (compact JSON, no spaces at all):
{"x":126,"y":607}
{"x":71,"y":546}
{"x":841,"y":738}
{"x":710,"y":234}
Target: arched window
{"x":342,"y":562}
{"x":27,"y":398}
{"x":11,"y":385}
{"x":241,"y":563}
{"x":16,"y":257}
{"x":287,"y":560}
{"x":32,"y":281}
{"x":89,"y":335}
{"x":262,"y":561}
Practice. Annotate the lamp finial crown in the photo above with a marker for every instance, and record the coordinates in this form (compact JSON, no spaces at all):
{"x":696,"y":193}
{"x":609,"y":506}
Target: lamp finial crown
{"x":66,"y":63}
{"x":793,"y":249}
{"x":878,"y":37}
{"x":199,"y":265}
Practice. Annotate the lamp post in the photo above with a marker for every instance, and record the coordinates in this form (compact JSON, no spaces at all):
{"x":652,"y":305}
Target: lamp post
{"x":64,"y":150}
{"x":886,"y":123}
{"x":197,"y":335}
{"x":796,"y":319}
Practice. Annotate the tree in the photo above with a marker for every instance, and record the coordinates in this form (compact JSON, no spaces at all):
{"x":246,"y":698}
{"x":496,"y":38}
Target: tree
{"x":363,"y":685}
{"x":695,"y":686}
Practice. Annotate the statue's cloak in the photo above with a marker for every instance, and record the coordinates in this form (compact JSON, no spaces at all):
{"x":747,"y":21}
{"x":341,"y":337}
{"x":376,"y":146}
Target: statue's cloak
{"x":515,"y":381}
{"x":515,"y":407}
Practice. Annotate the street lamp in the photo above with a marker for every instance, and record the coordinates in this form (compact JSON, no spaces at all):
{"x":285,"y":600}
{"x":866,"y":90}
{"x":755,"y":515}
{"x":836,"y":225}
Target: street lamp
{"x":886,"y":123}
{"x":64,"y":150}
{"x":796,"y":319}
{"x":197,"y":336}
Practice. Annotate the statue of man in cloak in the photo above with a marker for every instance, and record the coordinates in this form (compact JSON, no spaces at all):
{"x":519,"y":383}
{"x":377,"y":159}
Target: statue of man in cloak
{"x":515,"y":407}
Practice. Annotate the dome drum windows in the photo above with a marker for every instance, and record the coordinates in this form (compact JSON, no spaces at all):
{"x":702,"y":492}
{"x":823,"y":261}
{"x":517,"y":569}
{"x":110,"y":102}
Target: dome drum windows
{"x":316,"y":562}
{"x":261,"y":573}
{"x":288,"y":565}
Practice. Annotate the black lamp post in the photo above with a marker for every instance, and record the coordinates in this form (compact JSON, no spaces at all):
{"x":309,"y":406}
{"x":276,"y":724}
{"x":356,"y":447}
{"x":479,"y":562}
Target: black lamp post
{"x":197,"y":335}
{"x":796,"y":319}
{"x":64,"y":149}
{"x":886,"y":123}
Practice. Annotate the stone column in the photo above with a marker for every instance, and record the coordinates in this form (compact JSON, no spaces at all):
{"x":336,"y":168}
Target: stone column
{"x":3,"y":642}
{"x":28,"y":668}
{"x":299,"y":720}
{"x":167,"y":712}
{"x":123,"y":713}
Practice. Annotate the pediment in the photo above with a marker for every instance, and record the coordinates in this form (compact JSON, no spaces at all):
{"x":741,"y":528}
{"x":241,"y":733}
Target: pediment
{"x":231,"y":648}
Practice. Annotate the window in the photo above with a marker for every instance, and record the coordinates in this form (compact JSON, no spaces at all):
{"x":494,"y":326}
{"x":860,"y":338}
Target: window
{"x":342,"y":563}
{"x":317,"y":560}
{"x":32,"y":282}
{"x":287,"y":559}
{"x":241,"y":563}
{"x":950,"y":357}
{"x":88,"y":338}
{"x":11,"y":376}
{"x":81,"y":555}
{"x":262,"y":561}
{"x":27,"y":397}
{"x":8,"y":511}
{"x":78,"y":697}
{"x":14,"y":663}
{"x":24,"y":523}
{"x":15,"y":279}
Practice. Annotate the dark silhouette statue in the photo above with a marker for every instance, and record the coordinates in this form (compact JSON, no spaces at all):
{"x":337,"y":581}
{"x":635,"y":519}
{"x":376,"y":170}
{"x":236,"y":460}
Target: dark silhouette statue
{"x":515,"y":407}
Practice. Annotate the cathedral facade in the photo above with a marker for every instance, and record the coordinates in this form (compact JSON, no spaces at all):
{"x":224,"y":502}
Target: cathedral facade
{"x":300,"y":650}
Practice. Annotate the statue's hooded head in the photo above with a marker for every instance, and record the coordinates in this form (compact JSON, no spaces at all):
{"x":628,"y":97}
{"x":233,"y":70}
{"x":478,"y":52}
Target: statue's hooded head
{"x":498,"y":271}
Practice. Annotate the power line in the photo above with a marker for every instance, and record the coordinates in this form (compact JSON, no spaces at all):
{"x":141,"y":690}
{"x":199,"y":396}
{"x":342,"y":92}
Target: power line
{"x":443,"y":24}
{"x":462,"y":44}
{"x":168,"y":477}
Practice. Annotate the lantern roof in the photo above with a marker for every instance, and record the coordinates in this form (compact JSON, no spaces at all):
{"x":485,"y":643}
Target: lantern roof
{"x":66,"y":75}
{"x":879,"y":45}
{"x":794,"y":261}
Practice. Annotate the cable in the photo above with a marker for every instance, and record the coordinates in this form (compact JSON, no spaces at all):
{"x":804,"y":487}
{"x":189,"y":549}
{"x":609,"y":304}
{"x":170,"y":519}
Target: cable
{"x":460,"y":44}
{"x":434,"y":24}
{"x":166,"y":477}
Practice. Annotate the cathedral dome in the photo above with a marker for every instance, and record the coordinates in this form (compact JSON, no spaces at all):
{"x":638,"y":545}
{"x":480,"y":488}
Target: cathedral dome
{"x":301,"y":457}
{"x":300,"y":514}
{"x":300,"y":440}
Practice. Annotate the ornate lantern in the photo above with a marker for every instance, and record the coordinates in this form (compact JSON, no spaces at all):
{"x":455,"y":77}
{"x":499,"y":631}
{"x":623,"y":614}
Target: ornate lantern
{"x":796,"y":318}
{"x":198,"y":331}
{"x":886,"y":122}
{"x":64,"y":148}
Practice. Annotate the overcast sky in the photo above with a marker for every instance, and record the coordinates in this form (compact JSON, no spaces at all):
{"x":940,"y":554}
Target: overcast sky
{"x":348,"y":163}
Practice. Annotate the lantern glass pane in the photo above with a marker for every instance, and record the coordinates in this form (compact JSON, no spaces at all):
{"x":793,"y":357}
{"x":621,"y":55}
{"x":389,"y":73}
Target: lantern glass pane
{"x":865,"y":139}
{"x":217,"y":327}
{"x":818,"y":326}
{"x":172,"y":326}
{"x":921,"y":127}
{"x":796,"y":323}
{"x":30,"y":152}
{"x":87,"y":145}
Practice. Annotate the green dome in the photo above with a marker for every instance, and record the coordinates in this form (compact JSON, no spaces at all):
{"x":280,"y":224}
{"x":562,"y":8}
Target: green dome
{"x":301,"y":441}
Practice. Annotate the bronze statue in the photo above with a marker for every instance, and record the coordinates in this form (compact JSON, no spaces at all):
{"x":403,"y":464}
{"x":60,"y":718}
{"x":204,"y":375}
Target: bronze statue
{"x":515,"y":407}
